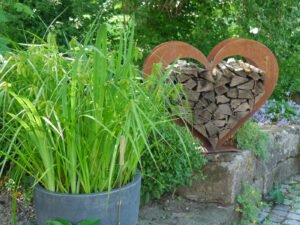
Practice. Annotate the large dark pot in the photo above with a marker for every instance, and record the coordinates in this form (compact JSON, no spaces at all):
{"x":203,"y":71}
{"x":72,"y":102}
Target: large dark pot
{"x":77,"y":207}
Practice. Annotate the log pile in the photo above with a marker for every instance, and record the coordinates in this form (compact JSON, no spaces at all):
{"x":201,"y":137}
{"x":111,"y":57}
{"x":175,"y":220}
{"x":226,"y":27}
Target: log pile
{"x":220,"y":98}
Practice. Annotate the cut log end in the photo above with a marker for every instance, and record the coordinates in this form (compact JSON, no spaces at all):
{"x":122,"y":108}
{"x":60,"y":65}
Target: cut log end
{"x":221,"y":98}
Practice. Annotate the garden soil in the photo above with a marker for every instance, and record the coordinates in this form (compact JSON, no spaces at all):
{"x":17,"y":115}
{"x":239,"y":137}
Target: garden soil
{"x":25,"y":213}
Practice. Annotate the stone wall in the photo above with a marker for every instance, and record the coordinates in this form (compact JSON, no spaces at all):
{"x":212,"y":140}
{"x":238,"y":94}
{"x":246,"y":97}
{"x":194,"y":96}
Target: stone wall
{"x":225,"y":172}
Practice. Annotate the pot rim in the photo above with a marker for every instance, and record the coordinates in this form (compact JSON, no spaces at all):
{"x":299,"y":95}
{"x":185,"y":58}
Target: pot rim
{"x":137,"y":178}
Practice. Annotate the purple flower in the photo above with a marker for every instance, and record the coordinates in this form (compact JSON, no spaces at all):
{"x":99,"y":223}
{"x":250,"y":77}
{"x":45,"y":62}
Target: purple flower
{"x":282,"y":122}
{"x":282,"y":110}
{"x":278,"y":112}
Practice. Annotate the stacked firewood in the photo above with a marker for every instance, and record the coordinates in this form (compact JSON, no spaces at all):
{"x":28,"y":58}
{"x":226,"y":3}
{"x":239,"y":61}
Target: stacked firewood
{"x":218,"y":99}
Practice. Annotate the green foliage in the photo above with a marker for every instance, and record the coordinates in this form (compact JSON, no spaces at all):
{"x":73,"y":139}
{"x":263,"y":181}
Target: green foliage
{"x":279,"y":30}
{"x":250,"y":137}
{"x":167,"y":21}
{"x":249,"y":204}
{"x":64,"y":117}
{"x":277,"y":195}
{"x":66,"y":18}
{"x":205,"y":23}
{"x":200,"y":23}
{"x":83,"y":222}
{"x":175,"y":160}
{"x":11,"y":14}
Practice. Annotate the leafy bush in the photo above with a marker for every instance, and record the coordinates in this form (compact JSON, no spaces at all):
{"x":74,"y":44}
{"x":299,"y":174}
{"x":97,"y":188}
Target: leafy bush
{"x":249,"y":204}
{"x":278,"y":112}
{"x":275,"y":22}
{"x":277,"y":25}
{"x":174,"y":161}
{"x":65,"y":18}
{"x":250,"y":137}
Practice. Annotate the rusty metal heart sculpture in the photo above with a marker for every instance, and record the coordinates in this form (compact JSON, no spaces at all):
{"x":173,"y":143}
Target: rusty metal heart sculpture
{"x":255,"y":54}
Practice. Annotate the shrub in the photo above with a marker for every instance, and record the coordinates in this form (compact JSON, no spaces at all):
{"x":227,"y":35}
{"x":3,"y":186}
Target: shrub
{"x":276,"y":22}
{"x":174,"y":162}
{"x":250,"y":137}
{"x":65,"y":18}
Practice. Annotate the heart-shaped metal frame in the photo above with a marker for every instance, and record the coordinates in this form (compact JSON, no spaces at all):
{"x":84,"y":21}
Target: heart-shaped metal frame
{"x":254,"y":52}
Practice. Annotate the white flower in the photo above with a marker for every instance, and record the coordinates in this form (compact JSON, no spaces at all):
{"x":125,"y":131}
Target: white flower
{"x":86,"y":16}
{"x":254,"y":30}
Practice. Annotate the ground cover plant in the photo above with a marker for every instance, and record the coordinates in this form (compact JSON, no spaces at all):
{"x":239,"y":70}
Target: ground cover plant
{"x":249,"y":204}
{"x":174,"y":164}
{"x":276,"y":195}
{"x":278,"y":112}
{"x":251,"y":137}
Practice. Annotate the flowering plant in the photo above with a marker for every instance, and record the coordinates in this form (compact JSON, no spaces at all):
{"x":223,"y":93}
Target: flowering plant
{"x":278,"y":112}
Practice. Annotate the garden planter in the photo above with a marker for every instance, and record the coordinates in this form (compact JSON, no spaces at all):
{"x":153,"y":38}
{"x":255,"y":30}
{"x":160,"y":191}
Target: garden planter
{"x":77,"y":207}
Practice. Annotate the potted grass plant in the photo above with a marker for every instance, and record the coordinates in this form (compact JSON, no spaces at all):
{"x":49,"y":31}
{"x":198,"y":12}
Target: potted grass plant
{"x":78,"y":123}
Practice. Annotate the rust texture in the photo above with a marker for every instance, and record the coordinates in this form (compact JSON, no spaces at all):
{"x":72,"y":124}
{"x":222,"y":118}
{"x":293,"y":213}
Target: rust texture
{"x":254,"y":52}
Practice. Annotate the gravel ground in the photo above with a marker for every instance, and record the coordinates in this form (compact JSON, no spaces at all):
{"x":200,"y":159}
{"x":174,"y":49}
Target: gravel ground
{"x":25,"y":213}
